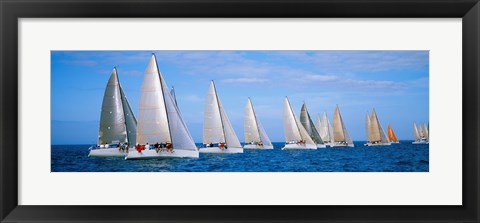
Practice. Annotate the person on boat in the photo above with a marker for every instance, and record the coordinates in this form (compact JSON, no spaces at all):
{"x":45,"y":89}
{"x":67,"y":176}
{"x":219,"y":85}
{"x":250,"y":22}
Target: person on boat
{"x":106,"y":146}
{"x":169,"y":147}
{"x":221,"y":145}
{"x":147,"y":146}
{"x":126,"y":149}
{"x":138,"y":148}
{"x":157,"y":147}
{"x":260,"y":143}
{"x":211,"y":144}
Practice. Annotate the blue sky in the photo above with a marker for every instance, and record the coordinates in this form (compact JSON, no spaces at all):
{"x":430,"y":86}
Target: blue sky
{"x":395,"y":83}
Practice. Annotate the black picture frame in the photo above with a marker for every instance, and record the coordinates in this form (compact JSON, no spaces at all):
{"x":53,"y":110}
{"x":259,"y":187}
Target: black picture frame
{"x":11,"y":11}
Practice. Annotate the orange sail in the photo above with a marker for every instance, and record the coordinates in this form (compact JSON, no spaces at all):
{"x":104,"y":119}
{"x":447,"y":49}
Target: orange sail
{"x":391,"y":135}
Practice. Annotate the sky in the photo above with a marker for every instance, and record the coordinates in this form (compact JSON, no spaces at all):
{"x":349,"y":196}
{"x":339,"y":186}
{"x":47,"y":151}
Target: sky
{"x":395,"y":83}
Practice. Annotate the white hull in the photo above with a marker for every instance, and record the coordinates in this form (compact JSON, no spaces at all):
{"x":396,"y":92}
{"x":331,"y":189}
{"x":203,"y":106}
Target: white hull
{"x":378,"y":144}
{"x":342,"y":145}
{"x":110,"y":152}
{"x":321,"y":146}
{"x":217,"y":150}
{"x":395,"y":142}
{"x":329,"y":144}
{"x":152,"y":154}
{"x":299,"y":146}
{"x":420,"y":142}
{"x":257,"y":147}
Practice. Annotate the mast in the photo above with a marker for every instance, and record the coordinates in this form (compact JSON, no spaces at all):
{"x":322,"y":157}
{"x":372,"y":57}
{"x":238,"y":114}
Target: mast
{"x":219,"y":112}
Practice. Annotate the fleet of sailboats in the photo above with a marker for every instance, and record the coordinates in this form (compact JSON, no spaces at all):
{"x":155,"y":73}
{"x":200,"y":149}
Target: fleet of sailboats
{"x":420,"y":135}
{"x":161,"y":131}
{"x":118,"y":126}
{"x":255,"y":135}
{"x":375,"y":134}
{"x":296,"y":136}
{"x":218,"y":133}
{"x":310,"y":127}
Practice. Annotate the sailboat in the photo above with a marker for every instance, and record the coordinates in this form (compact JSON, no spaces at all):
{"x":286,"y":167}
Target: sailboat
{"x":310,"y":127}
{"x":426,"y":133}
{"x":418,"y":136}
{"x":118,"y":126}
{"x":255,"y":135}
{"x":325,"y":129}
{"x":341,"y":138}
{"x":160,"y":121}
{"x":375,"y":134}
{"x":296,"y":136}
{"x":218,"y":133}
{"x":391,"y":135}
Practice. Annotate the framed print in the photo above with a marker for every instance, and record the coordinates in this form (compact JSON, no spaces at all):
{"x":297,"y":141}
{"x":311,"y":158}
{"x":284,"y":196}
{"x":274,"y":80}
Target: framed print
{"x":204,"y":111}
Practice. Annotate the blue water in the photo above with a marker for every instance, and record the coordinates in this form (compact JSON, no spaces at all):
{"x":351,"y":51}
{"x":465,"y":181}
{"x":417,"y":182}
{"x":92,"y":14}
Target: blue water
{"x":403,"y":157}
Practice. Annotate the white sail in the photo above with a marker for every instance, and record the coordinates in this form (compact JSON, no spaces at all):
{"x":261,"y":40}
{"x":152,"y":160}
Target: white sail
{"x":292,"y":132}
{"x":263,"y":135}
{"x":251,"y":130}
{"x":181,"y":138}
{"x":416,"y":134}
{"x":307,"y":123}
{"x":376,"y":131}
{"x":212,"y":124}
{"x":367,"y":126}
{"x":425,"y":130}
{"x":112,"y":117}
{"x":326,"y":128}
{"x":130,"y":120}
{"x":231,"y":138}
{"x":152,"y":113}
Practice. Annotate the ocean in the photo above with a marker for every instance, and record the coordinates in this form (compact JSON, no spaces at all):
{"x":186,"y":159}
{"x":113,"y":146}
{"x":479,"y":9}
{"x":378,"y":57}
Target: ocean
{"x":403,"y":157}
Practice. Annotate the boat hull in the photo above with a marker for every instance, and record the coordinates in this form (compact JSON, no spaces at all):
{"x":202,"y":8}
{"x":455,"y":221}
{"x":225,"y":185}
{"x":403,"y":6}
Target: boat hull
{"x":321,"y":146}
{"x":342,"y":145}
{"x":152,"y":154}
{"x":378,"y":144}
{"x":299,"y":146}
{"x":395,"y":142}
{"x":218,"y":150}
{"x":110,"y":152}
{"x":329,"y":144}
{"x":257,"y":147}
{"x":421,"y":142}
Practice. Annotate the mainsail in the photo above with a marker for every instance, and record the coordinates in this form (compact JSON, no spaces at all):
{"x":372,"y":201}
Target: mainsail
{"x":425,"y":131}
{"x":340,"y":133}
{"x":159,"y":118}
{"x":217,"y":127}
{"x":294,"y":131}
{"x":416,"y":134}
{"x":326,"y":130}
{"x":308,"y":125}
{"x":367,"y":126}
{"x":117,"y":122}
{"x":254,"y":131}
{"x":391,"y":135}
